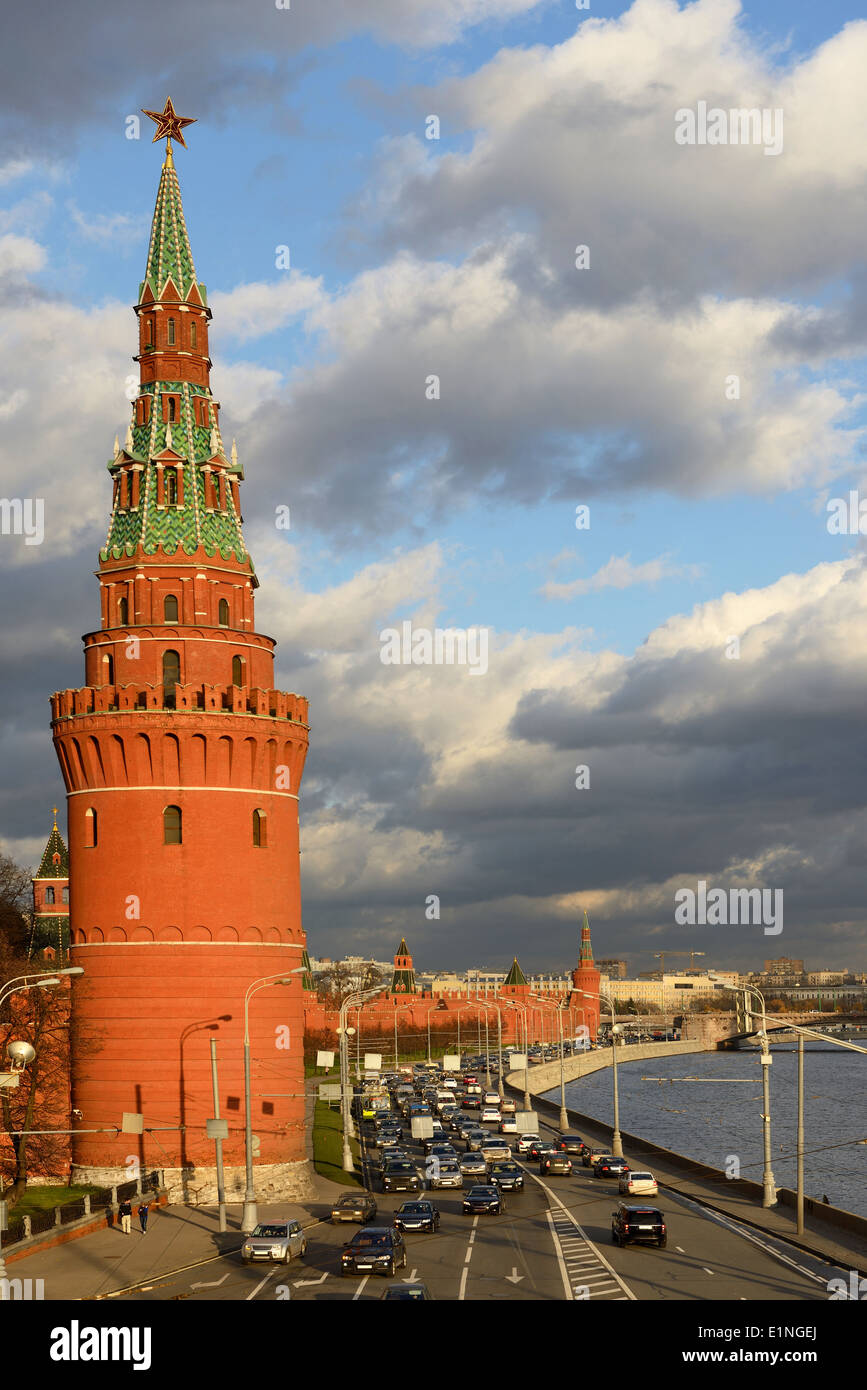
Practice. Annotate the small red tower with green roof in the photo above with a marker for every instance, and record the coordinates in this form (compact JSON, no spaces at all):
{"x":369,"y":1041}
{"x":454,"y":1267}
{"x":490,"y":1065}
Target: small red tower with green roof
{"x":515,"y":983}
{"x":182,"y":764}
{"x":585,"y":982}
{"x":50,"y":930}
{"x":403,"y":978}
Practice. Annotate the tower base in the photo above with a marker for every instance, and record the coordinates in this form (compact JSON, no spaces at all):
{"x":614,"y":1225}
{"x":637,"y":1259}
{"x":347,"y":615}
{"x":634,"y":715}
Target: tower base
{"x":196,"y":1187}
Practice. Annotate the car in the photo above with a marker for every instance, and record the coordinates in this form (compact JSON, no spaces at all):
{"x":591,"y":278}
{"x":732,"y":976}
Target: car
{"x":508,"y":1176}
{"x":391,"y":1155}
{"x":353,"y":1206}
{"x":407,"y":1291}
{"x":638,"y":1184}
{"x":485,"y":1200}
{"x":471,"y":1079}
{"x":490,"y":1112}
{"x":526,"y":1142}
{"x":401,"y":1176}
{"x":557,"y":1162}
{"x":375,"y":1250}
{"x":475,"y":1138}
{"x":277,"y":1241}
{"x":542,"y":1149}
{"x":494,"y":1149}
{"x":571,"y":1144}
{"x":447,"y":1173}
{"x":591,"y":1153}
{"x":491,"y":1098}
{"x":507,"y":1106}
{"x":472,"y":1101}
{"x":417,"y":1216}
{"x":645,"y":1224}
{"x":608,"y":1167}
{"x":508,"y":1124}
{"x":473,"y":1165}
{"x":439,"y":1146}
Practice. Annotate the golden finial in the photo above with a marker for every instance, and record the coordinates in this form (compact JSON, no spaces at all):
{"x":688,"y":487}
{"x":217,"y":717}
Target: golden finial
{"x":54,"y":809}
{"x":169,"y":126}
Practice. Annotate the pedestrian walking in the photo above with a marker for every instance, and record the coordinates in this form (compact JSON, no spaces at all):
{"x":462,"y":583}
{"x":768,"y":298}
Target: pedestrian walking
{"x":143,"y":1216}
{"x":125,"y":1214}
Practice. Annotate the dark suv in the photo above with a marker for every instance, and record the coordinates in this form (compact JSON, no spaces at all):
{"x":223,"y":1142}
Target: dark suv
{"x":400,"y":1176}
{"x":629,"y":1224}
{"x":376,"y":1250}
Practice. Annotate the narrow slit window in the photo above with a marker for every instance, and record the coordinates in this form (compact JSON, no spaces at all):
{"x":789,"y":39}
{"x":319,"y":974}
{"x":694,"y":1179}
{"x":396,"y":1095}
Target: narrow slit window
{"x":172,"y":826}
{"x":171,"y":333}
{"x":90,"y":828}
{"x":170,"y":609}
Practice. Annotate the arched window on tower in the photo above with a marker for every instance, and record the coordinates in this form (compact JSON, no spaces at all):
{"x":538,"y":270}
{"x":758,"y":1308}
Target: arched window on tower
{"x":64,"y":895}
{"x":192,"y":333}
{"x":223,"y":613}
{"x":172,"y":826}
{"x":90,"y":828}
{"x":108,"y":670}
{"x":49,"y":896}
{"x":171,"y":676}
{"x":170,"y":477}
{"x":170,"y":609}
{"x":171,"y":333}
{"x":260,"y":830}
{"x":237,"y":670}
{"x":173,"y":410}
{"x":123,"y":612}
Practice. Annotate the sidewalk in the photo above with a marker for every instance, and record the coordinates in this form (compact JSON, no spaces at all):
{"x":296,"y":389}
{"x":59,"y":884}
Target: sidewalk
{"x":177,"y":1236}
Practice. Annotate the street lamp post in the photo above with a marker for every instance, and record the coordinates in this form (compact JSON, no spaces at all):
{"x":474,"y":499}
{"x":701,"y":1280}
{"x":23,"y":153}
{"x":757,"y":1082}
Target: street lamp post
{"x":250,"y":1216}
{"x":616,"y":1142}
{"x":769,"y":1191}
{"x":350,"y":1002}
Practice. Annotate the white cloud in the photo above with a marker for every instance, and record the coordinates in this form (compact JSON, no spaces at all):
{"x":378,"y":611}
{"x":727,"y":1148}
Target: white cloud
{"x":619,"y":573}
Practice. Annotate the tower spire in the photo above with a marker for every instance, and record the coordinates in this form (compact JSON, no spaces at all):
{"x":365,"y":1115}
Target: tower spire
{"x":585,"y":953}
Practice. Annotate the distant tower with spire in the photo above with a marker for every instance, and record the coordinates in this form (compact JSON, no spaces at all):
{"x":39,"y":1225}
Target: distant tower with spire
{"x":403,"y":978}
{"x":50,"y":931}
{"x":586,"y":977}
{"x":182,"y":766}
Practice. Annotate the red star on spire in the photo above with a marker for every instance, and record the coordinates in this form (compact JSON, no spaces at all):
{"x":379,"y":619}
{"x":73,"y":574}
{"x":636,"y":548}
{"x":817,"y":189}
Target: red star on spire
{"x":169,"y":123}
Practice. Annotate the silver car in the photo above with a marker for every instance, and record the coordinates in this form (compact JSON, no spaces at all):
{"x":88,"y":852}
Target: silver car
{"x":447,"y":1174}
{"x":274,"y":1242}
{"x":472,"y":1165}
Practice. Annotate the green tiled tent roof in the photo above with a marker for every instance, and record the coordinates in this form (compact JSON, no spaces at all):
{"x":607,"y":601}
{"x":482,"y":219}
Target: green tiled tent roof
{"x":516,"y":975}
{"x":169,"y":254}
{"x":53,"y":932}
{"x":47,"y":868}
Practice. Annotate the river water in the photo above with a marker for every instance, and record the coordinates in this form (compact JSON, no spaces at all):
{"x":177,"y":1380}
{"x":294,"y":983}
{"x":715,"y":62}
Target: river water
{"x":713,"y":1119}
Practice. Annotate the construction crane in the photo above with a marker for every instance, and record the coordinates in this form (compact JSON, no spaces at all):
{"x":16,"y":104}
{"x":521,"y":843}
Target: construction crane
{"x":660,"y":956}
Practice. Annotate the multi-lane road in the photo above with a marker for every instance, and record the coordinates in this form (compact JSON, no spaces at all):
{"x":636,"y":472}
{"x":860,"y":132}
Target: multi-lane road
{"x":552,"y":1242}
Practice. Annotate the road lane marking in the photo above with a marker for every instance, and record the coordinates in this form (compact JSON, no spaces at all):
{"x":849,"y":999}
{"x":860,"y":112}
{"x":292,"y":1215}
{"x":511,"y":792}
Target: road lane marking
{"x":732,"y":1225}
{"x":261,"y":1285}
{"x":562,"y":1263}
{"x":564,"y":1225}
{"x":706,"y":1270}
{"x":462,"y":1292}
{"x":360,"y":1289}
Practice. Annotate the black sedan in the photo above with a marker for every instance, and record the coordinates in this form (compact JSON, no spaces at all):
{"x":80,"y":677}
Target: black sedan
{"x":483,"y":1200}
{"x":407,"y":1291}
{"x":555,"y":1163}
{"x":417,"y":1216}
{"x":507,"y":1176}
{"x":610,"y":1168}
{"x":376,"y":1250}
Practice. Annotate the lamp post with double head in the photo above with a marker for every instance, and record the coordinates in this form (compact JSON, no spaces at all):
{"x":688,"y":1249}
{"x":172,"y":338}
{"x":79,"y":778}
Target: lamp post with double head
{"x":616,"y":1141}
{"x":769,"y":1190}
{"x":250,"y":1216}
{"x":352,"y":1001}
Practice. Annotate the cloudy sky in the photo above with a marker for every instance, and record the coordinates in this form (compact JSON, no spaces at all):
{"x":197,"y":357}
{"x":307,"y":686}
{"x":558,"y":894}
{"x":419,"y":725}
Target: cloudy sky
{"x":695,"y":383}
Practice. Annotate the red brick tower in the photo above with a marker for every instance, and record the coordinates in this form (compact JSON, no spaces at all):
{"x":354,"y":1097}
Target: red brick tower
{"x":586,"y":977}
{"x":49,"y":935}
{"x":182,"y":765}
